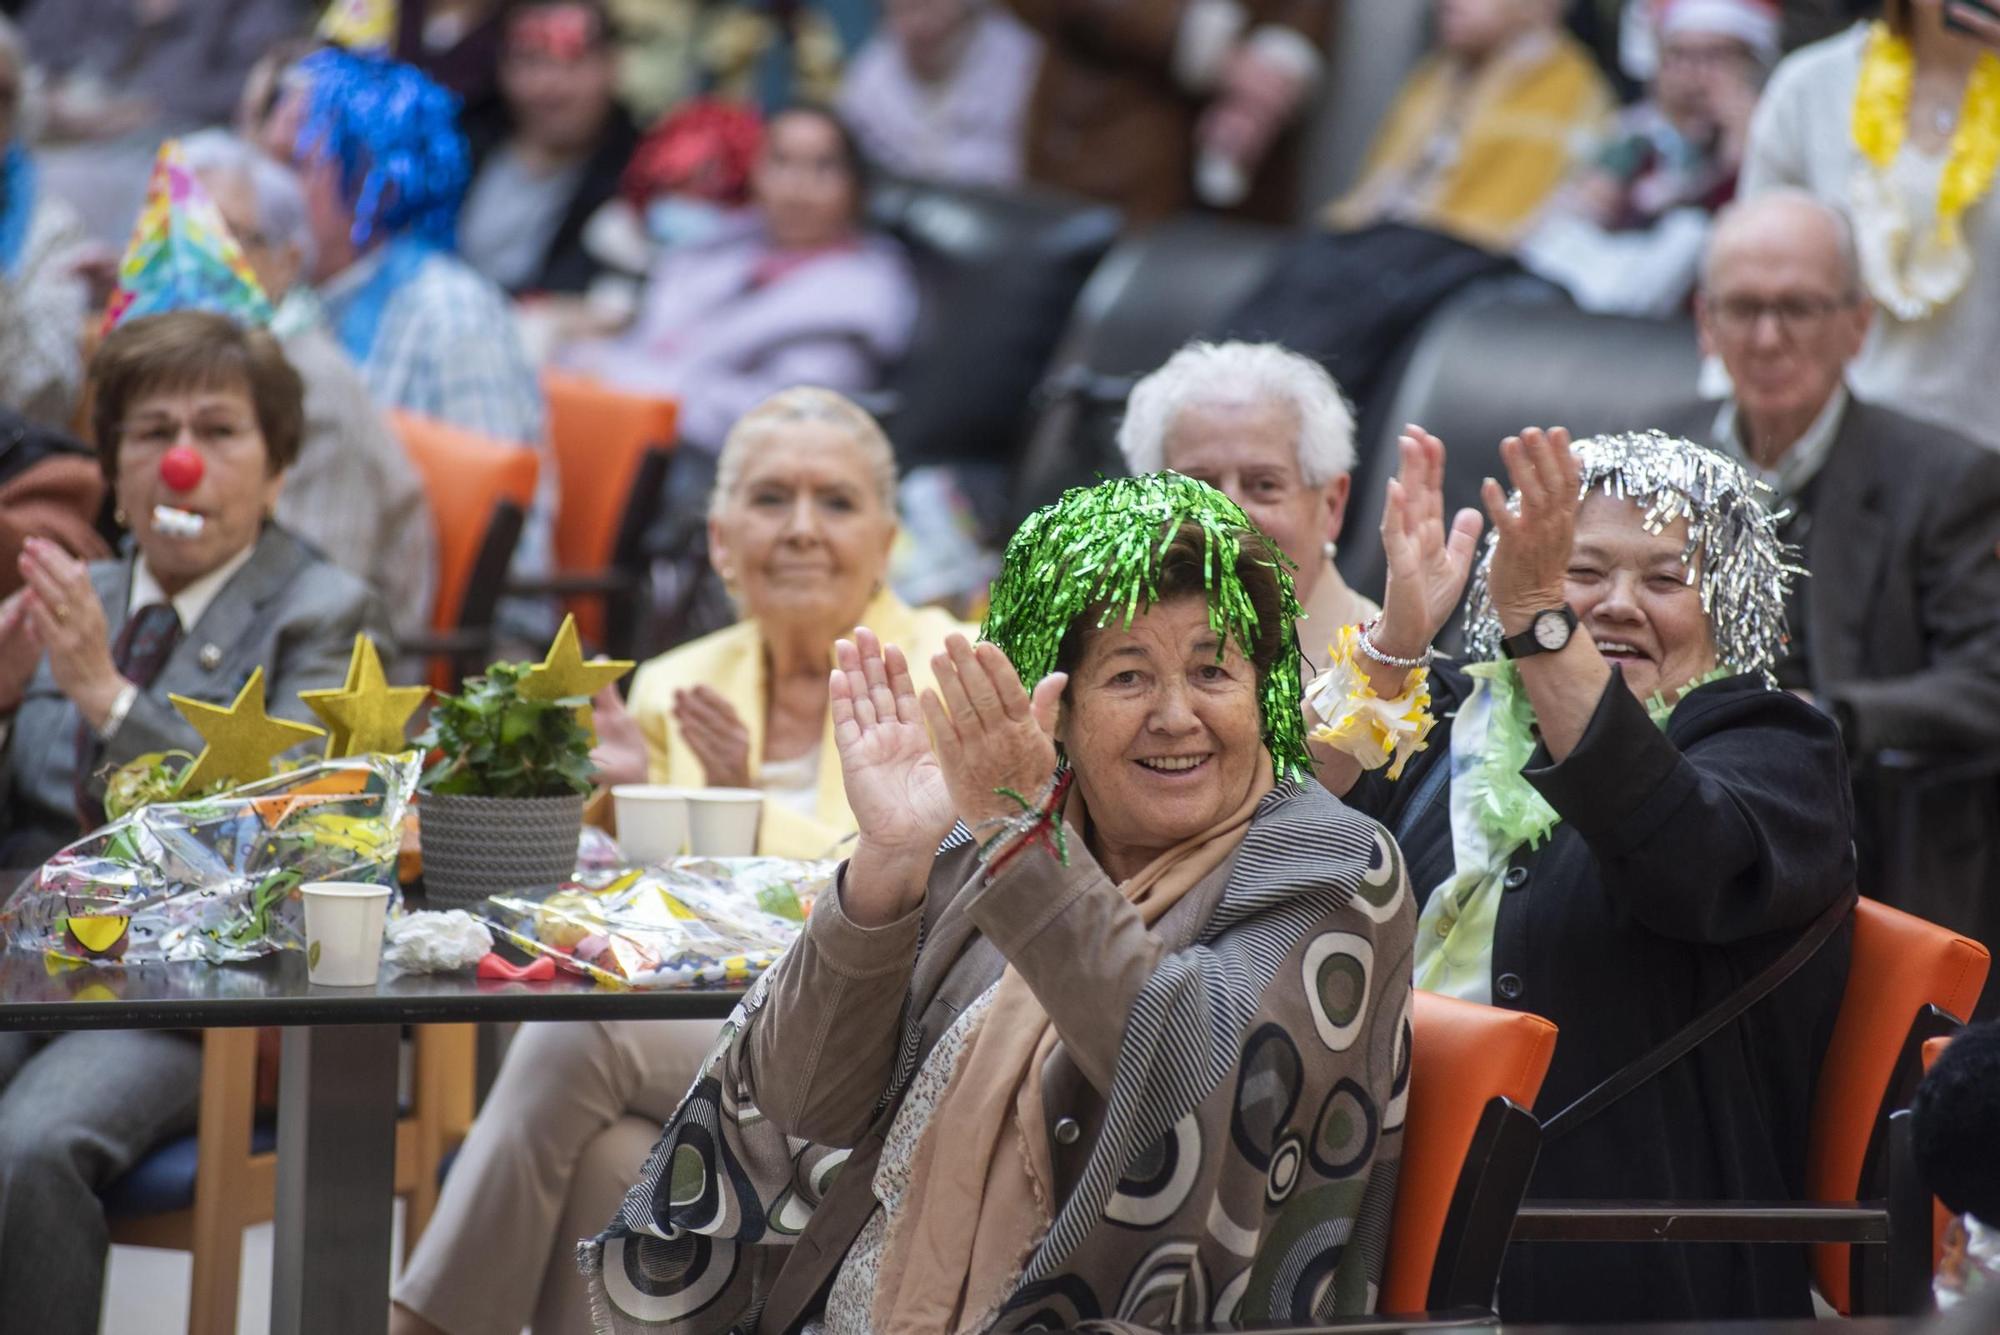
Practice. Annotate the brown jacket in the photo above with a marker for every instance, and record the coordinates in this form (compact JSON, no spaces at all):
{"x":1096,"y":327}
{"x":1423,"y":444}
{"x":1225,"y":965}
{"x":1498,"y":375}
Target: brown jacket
{"x":48,"y":493}
{"x":1226,"y":1100}
{"x":1110,"y":120}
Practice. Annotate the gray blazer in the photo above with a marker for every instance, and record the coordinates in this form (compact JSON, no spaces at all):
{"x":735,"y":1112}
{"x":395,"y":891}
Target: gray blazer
{"x":1903,"y":646}
{"x":288,"y":609}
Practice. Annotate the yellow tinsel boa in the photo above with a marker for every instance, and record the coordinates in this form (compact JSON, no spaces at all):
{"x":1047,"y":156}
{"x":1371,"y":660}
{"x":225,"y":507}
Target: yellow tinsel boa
{"x":1882,"y":115}
{"x":1911,"y":272}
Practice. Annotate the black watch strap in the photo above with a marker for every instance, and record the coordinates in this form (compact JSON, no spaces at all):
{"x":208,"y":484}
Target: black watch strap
{"x":1528,"y":643}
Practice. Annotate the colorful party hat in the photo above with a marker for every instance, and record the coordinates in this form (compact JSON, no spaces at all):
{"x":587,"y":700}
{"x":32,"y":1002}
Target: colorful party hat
{"x":181,"y":256}
{"x":360,"y":25}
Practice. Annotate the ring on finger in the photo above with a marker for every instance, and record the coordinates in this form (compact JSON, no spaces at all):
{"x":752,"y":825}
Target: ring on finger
{"x":61,"y":612}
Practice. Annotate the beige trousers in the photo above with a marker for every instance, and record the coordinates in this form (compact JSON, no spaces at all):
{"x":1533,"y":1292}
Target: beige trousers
{"x":564,"y":1133}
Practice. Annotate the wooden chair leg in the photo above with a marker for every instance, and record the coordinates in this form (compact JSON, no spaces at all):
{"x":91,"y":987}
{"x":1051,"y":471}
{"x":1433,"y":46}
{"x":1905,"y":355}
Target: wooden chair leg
{"x":446,"y":1057}
{"x":227,"y":1108}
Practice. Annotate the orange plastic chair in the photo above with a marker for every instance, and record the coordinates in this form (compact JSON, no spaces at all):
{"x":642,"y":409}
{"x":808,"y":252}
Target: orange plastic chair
{"x":1469,"y":1145}
{"x":1908,"y":981}
{"x":601,"y":438}
{"x":479,"y":491}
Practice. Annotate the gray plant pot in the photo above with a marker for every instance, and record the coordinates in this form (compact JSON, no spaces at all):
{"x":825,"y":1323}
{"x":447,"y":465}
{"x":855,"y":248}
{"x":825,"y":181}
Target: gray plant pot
{"x":480,"y":846}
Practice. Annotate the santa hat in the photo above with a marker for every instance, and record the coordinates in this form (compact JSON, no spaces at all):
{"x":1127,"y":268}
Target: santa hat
{"x":1755,"y":23}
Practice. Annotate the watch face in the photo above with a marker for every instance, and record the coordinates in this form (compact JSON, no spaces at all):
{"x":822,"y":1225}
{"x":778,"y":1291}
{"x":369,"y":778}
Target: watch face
{"x":1551,"y":630}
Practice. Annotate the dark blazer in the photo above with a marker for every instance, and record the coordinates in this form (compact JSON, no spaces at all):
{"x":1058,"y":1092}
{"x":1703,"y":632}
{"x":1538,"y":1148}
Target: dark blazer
{"x":1685,"y":861}
{"x":287,"y":609}
{"x":565,"y":266}
{"x":1902,"y":630}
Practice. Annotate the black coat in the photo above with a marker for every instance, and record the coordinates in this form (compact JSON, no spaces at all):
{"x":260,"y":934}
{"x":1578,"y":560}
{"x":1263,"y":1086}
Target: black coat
{"x":565,"y":266}
{"x":1685,"y":861}
{"x":1902,"y":635}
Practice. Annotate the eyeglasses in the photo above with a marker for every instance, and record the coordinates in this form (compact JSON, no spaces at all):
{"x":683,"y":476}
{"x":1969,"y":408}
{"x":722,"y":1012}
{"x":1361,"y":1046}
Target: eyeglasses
{"x":1796,"y":315}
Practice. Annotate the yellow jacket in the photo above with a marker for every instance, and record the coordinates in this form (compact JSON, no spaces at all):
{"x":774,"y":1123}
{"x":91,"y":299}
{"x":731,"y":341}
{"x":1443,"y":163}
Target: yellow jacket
{"x":731,"y":661}
{"x":1478,"y":154}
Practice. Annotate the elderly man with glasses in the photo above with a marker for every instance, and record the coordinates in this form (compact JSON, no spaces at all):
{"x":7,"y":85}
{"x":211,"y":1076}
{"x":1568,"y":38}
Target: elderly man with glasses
{"x":1897,"y":632}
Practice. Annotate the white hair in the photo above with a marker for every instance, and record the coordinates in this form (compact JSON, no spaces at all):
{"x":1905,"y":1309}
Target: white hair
{"x":280,"y":196}
{"x":1209,"y":374}
{"x":1740,"y":212}
{"x":788,"y":407}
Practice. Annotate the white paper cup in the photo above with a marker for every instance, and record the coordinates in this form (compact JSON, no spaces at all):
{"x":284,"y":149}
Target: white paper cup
{"x":344,"y":922}
{"x":722,"y":822}
{"x":652,"y":820}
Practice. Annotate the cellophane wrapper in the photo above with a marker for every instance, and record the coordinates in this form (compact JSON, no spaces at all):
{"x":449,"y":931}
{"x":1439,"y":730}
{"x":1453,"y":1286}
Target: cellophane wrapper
{"x":688,"y":922}
{"x":218,"y":879}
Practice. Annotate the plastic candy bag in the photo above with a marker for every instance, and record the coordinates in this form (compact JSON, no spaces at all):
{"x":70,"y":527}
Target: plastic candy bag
{"x":691,"y":922}
{"x":217,"y":879}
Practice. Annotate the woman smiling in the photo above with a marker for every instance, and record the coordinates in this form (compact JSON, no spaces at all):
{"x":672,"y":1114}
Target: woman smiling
{"x":1133,"y":1043}
{"x":800,"y":526}
{"x":1613,"y":823}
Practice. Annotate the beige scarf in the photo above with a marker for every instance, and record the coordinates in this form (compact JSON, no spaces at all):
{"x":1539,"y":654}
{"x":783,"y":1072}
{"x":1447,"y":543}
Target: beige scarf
{"x":975,"y":1210}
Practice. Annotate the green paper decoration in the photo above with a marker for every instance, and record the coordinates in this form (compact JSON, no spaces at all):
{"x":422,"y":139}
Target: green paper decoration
{"x":1101,"y":546}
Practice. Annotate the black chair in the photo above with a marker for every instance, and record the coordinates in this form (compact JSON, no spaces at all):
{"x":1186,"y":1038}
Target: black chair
{"x":1154,"y":292}
{"x":997,"y":274}
{"x":1485,"y":368}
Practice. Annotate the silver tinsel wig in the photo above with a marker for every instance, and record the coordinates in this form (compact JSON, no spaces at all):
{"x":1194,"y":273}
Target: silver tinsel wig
{"x":1733,"y":551}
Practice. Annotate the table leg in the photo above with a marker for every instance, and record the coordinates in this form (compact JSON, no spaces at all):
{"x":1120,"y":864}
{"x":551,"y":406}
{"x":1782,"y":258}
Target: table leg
{"x":336,"y":1180}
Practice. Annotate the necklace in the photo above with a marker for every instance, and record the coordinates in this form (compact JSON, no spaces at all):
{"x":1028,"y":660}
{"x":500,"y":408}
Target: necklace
{"x":1913,"y":274}
{"x":1882,"y":113}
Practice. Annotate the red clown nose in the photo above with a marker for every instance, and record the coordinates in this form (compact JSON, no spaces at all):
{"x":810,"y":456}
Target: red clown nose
{"x":181,"y":468}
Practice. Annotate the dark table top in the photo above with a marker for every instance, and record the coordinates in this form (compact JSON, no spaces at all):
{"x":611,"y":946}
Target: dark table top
{"x":39,"y":994}
{"x":273,"y":991}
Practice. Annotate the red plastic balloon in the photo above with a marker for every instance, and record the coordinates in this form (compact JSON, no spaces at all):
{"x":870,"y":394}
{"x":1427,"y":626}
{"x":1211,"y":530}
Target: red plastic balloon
{"x":181,"y":468}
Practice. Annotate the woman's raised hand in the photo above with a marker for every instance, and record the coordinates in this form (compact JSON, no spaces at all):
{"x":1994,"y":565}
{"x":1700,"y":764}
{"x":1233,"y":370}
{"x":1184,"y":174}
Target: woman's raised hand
{"x":894,"y":786}
{"x":19,"y":653}
{"x":991,"y":734}
{"x":716,"y":734}
{"x":1428,"y":565}
{"x":1531,"y":559}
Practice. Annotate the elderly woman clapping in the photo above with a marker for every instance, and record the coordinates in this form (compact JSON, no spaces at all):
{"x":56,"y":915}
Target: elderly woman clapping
{"x":196,"y":420}
{"x":1270,"y":429}
{"x":1613,"y":822}
{"x":1145,"y":1008}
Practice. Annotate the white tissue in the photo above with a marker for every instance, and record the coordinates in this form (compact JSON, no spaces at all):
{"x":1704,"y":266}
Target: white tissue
{"x":178,"y":523}
{"x":428,"y":942}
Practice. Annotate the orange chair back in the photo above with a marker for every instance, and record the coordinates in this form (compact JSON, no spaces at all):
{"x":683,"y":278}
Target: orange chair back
{"x":599,"y":435}
{"x":1900,"y":964}
{"x":1462,"y":1056}
{"x":466,"y":476}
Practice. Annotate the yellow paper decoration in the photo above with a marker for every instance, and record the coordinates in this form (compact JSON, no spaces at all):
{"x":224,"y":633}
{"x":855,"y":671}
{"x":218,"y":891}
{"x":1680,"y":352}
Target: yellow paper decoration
{"x":1881,"y":118}
{"x":242,"y":739}
{"x":564,"y":673}
{"x":360,"y":25}
{"x":367,"y":715}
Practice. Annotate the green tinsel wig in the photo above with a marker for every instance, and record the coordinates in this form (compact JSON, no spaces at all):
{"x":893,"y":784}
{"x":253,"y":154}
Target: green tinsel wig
{"x":1100,"y":547}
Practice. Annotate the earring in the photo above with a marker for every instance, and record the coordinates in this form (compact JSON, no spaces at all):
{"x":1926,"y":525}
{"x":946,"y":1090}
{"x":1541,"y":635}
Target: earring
{"x":1332,"y":549}
{"x":118,"y":518}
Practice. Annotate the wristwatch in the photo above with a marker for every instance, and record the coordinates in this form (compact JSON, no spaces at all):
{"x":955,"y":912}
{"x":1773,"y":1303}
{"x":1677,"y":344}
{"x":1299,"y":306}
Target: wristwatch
{"x":1547,"y":633}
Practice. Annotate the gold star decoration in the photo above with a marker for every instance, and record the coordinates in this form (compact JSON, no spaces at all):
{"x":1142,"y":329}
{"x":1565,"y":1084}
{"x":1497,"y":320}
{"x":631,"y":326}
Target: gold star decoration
{"x":366,"y":715}
{"x":242,"y":738}
{"x":564,"y":674}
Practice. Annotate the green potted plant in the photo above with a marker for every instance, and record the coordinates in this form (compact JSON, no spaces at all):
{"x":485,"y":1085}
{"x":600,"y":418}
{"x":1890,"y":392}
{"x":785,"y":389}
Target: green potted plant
{"x":503,"y":798}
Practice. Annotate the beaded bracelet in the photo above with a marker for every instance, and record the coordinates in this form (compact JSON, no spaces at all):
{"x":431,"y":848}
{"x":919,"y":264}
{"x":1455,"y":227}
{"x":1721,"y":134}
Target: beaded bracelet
{"x":1368,"y":647}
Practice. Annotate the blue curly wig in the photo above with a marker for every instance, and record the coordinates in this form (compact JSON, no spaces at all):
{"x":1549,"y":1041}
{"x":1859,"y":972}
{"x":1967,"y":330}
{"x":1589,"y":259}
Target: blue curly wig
{"x":404,"y":166}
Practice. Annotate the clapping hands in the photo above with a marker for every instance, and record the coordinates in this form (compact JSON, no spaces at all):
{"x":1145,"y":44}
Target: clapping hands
{"x":1428,"y":564}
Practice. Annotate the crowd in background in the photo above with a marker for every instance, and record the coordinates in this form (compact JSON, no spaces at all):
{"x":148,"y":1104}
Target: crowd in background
{"x":673,"y":197}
